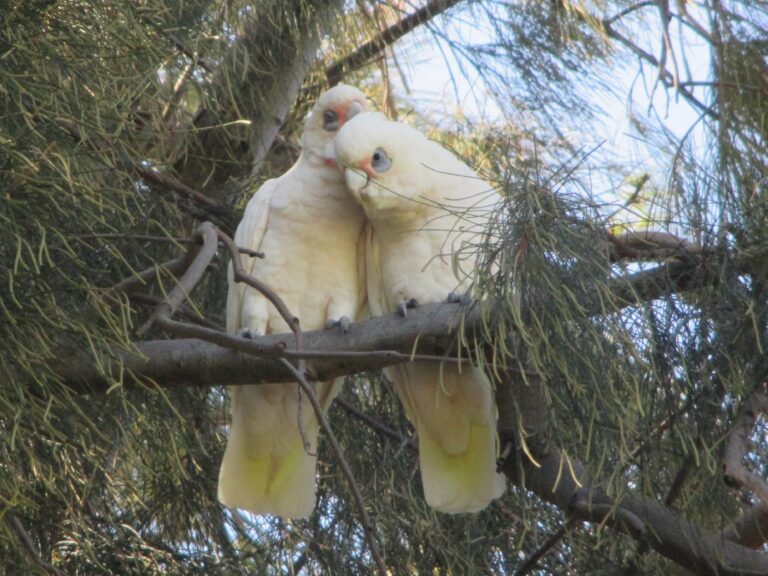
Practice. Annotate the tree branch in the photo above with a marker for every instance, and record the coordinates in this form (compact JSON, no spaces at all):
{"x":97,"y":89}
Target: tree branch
{"x":389,"y":36}
{"x":199,"y":258}
{"x":30,"y":547}
{"x":429,"y":330}
{"x":734,"y":470}
{"x":750,"y":529}
{"x":531,"y":461}
{"x":564,"y":482}
{"x":530,"y":563}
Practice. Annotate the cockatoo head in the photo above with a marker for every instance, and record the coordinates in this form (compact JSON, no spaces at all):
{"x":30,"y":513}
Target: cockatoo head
{"x":330,"y":112}
{"x":385,"y":164}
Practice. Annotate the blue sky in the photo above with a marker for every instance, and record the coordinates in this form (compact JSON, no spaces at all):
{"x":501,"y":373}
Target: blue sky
{"x":436,"y":85}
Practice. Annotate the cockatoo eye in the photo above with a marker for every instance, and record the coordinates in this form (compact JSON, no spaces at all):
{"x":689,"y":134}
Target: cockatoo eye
{"x":330,"y":121}
{"x":380,"y":161}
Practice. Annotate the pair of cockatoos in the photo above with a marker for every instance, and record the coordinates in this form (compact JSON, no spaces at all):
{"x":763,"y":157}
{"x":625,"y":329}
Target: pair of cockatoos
{"x":371,"y":207}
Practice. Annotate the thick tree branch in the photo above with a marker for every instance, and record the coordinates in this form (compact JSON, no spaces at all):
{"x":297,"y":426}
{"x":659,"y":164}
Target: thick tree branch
{"x":750,"y":529}
{"x":253,"y":88}
{"x":532,"y":461}
{"x":429,"y":330}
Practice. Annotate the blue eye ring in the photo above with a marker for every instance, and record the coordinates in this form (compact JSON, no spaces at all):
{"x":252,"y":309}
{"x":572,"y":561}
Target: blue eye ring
{"x":380,"y":161}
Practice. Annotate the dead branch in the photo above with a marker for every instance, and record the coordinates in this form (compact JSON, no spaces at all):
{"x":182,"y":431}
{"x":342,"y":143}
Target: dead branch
{"x":532,"y":560}
{"x":563,"y":482}
{"x":201,"y":257}
{"x":241,"y":276}
{"x":182,"y":189}
{"x":184,"y":310}
{"x":374,"y":424}
{"x":734,"y":469}
{"x":362,"y":55}
{"x":365,"y":520}
{"x":649,"y":245}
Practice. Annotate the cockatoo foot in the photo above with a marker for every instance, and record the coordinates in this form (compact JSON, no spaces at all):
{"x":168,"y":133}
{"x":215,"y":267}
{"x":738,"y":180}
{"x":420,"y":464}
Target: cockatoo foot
{"x":344,"y":323}
{"x":462,"y":298}
{"x":249,"y":333}
{"x":405,"y":305}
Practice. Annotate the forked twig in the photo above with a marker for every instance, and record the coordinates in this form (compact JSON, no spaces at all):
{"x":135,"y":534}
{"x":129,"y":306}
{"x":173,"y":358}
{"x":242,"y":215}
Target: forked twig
{"x":201,"y":257}
{"x":241,"y":276}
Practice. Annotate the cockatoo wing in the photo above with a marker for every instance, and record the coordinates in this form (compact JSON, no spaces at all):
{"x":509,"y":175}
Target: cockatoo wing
{"x":309,"y":230}
{"x":422,"y":204}
{"x":241,"y":300}
{"x":454,"y":415}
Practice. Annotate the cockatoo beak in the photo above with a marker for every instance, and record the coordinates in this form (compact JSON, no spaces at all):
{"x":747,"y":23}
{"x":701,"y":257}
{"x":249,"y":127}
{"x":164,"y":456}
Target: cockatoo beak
{"x":356,"y":181}
{"x":354,"y":109}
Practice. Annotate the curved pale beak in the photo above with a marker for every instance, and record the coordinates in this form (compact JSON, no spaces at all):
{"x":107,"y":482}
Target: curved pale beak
{"x":354,"y":109}
{"x":356,"y":180}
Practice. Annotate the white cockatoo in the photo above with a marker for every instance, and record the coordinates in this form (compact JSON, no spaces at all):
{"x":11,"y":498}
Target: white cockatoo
{"x":425,"y":209}
{"x":312,"y":237}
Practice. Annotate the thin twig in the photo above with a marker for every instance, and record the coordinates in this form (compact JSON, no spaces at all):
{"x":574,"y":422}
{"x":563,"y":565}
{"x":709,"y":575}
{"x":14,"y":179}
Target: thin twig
{"x":666,"y":76}
{"x":365,"y":519}
{"x":184,"y":310}
{"x":26,"y":540}
{"x":362,"y":55}
{"x":532,"y":560}
{"x":375,"y":424}
{"x":201,"y":258}
{"x":178,"y":44}
{"x":241,"y":276}
{"x":140,"y":280}
{"x":180,"y":188}
{"x":148,"y":238}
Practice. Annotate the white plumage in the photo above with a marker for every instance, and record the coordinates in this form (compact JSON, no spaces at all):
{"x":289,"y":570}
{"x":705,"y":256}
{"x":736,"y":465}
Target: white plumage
{"x":425,"y":209}
{"x":311,"y":234}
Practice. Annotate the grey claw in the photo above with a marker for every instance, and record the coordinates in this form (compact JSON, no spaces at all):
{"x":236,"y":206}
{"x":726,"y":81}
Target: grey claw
{"x":248,"y":333}
{"x":404,"y":305}
{"x":459,"y":298}
{"x":344,"y":323}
